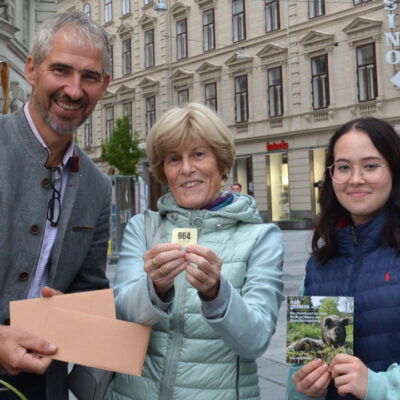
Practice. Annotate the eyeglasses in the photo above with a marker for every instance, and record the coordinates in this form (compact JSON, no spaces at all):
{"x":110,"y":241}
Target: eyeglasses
{"x":54,"y":206}
{"x":341,"y":172}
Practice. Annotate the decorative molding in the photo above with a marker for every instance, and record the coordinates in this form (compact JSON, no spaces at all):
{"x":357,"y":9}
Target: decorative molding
{"x":146,"y":21}
{"x":209,"y":71}
{"x":272,"y":53}
{"x":362,"y":28}
{"x":149,"y":86}
{"x":182,"y":78}
{"x":125,"y":90}
{"x":124,"y":29}
{"x":179,"y":10}
{"x":316,"y":41}
{"x":239,"y":65}
{"x":205,"y":3}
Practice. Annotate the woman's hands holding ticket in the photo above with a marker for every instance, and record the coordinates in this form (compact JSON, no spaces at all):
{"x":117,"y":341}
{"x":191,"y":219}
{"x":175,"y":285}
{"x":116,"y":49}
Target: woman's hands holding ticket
{"x":165,"y":261}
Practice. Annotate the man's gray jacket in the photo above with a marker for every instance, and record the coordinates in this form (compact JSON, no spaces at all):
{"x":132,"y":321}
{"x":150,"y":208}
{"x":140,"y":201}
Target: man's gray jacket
{"x":78,"y":259}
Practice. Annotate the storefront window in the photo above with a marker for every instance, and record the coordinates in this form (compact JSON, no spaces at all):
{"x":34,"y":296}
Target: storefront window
{"x":317,"y":162}
{"x":243,"y":173}
{"x":278,"y":186}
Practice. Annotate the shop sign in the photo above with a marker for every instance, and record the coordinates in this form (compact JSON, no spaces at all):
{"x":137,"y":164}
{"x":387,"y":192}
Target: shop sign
{"x":392,"y":39}
{"x":282,"y":145}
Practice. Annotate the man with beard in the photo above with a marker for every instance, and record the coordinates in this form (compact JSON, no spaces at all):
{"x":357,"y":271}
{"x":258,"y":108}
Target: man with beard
{"x":54,"y":202}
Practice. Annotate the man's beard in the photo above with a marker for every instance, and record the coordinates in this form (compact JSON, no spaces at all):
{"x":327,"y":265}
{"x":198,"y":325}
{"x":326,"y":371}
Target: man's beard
{"x":61,"y":129}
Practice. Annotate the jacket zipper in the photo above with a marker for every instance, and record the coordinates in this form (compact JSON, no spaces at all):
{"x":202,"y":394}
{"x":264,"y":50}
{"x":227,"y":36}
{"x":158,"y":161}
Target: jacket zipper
{"x":172,"y":356}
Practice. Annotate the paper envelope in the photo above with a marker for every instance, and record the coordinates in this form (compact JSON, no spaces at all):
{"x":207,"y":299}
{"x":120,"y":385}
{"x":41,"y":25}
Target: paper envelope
{"x":84,"y":328}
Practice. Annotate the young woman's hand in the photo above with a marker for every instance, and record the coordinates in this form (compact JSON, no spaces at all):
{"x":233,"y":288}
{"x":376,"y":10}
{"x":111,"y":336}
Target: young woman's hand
{"x":350,"y":375}
{"x":313,"y":379}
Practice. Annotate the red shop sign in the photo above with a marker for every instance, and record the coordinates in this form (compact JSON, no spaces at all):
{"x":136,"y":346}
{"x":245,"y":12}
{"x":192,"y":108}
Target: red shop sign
{"x":282,"y":145}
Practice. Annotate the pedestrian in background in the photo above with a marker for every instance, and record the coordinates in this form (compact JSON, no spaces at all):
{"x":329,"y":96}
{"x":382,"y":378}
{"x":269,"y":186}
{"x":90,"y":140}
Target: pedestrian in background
{"x":236,"y":187}
{"x":214,"y":305}
{"x":355,"y":252}
{"x":55,"y":203}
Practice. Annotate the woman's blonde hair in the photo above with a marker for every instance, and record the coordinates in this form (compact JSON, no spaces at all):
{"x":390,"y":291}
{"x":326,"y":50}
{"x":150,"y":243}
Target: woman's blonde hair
{"x":180,"y":126}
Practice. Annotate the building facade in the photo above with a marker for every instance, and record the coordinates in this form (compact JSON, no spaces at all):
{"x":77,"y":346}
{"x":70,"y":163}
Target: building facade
{"x":18,"y":22}
{"x":282,"y":75}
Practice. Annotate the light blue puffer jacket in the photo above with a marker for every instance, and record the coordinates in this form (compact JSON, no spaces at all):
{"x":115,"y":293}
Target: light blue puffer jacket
{"x":190,"y":356}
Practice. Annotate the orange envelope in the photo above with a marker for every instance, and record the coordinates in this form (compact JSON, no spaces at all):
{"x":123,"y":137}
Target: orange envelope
{"x":84,"y":328}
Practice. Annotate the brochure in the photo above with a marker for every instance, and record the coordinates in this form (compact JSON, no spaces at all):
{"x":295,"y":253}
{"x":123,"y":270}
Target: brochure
{"x":318,"y":327}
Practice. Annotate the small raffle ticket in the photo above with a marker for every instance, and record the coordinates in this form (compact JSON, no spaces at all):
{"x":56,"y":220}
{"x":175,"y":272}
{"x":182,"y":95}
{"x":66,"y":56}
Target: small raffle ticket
{"x":184,"y":236}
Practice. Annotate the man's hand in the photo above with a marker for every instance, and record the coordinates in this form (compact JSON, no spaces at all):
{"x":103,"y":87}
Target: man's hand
{"x":21,"y":351}
{"x":49,"y":292}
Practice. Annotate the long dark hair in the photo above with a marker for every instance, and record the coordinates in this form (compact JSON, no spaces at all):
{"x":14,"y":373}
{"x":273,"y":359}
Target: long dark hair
{"x":387,"y":142}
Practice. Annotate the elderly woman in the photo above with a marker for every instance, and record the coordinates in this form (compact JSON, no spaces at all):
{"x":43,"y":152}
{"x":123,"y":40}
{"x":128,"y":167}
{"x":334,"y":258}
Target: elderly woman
{"x":213,"y":304}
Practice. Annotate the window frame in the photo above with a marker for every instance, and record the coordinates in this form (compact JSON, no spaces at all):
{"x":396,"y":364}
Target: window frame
{"x":208,"y":31}
{"x":241,"y":101}
{"x":88,"y":131}
{"x":86,"y":10}
{"x":128,"y":105}
{"x":109,"y":121}
{"x":211,"y":102}
{"x":126,"y":57}
{"x":316,"y":8}
{"x":183,"y":92}
{"x":322,"y":79}
{"x":149,"y":49}
{"x":108,"y":14}
{"x":275,"y":91}
{"x":150,"y":112}
{"x":276,"y":22}
{"x":366,"y":77}
{"x":125,"y":7}
{"x":239,"y":22}
{"x":181,"y":40}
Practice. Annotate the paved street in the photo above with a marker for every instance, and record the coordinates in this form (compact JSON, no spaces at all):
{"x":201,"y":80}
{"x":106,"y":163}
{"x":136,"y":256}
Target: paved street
{"x":272,"y":367}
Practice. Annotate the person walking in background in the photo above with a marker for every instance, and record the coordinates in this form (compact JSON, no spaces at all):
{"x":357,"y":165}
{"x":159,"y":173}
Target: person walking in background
{"x":236,"y":187}
{"x":213,"y":305}
{"x":355,"y":252}
{"x":55,"y":203}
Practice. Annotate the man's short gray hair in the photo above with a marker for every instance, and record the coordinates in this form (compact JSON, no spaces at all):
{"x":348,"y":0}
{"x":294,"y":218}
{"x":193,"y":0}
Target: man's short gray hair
{"x":92,"y":31}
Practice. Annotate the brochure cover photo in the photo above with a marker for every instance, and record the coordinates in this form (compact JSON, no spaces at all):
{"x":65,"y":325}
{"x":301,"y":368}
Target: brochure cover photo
{"x":318,"y":327}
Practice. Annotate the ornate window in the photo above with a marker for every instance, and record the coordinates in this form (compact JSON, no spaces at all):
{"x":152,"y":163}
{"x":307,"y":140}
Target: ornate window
{"x":272,"y":22}
{"x":127,"y":111}
{"x":320,"y":81}
{"x":107,"y":11}
{"x":86,"y":10}
{"x":238,"y":20}
{"x":366,"y":72}
{"x":181,"y":39}
{"x":316,"y":8}
{"x":183,"y":97}
{"x":126,"y":57}
{"x":109,"y":121}
{"x":210,"y":95}
{"x":208,"y":30}
{"x":275,"y":98}
{"x":150,"y":113}
{"x":241,"y":99}
{"x":149,"y":48}
{"x":88,"y":131}
{"x":126,"y":6}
